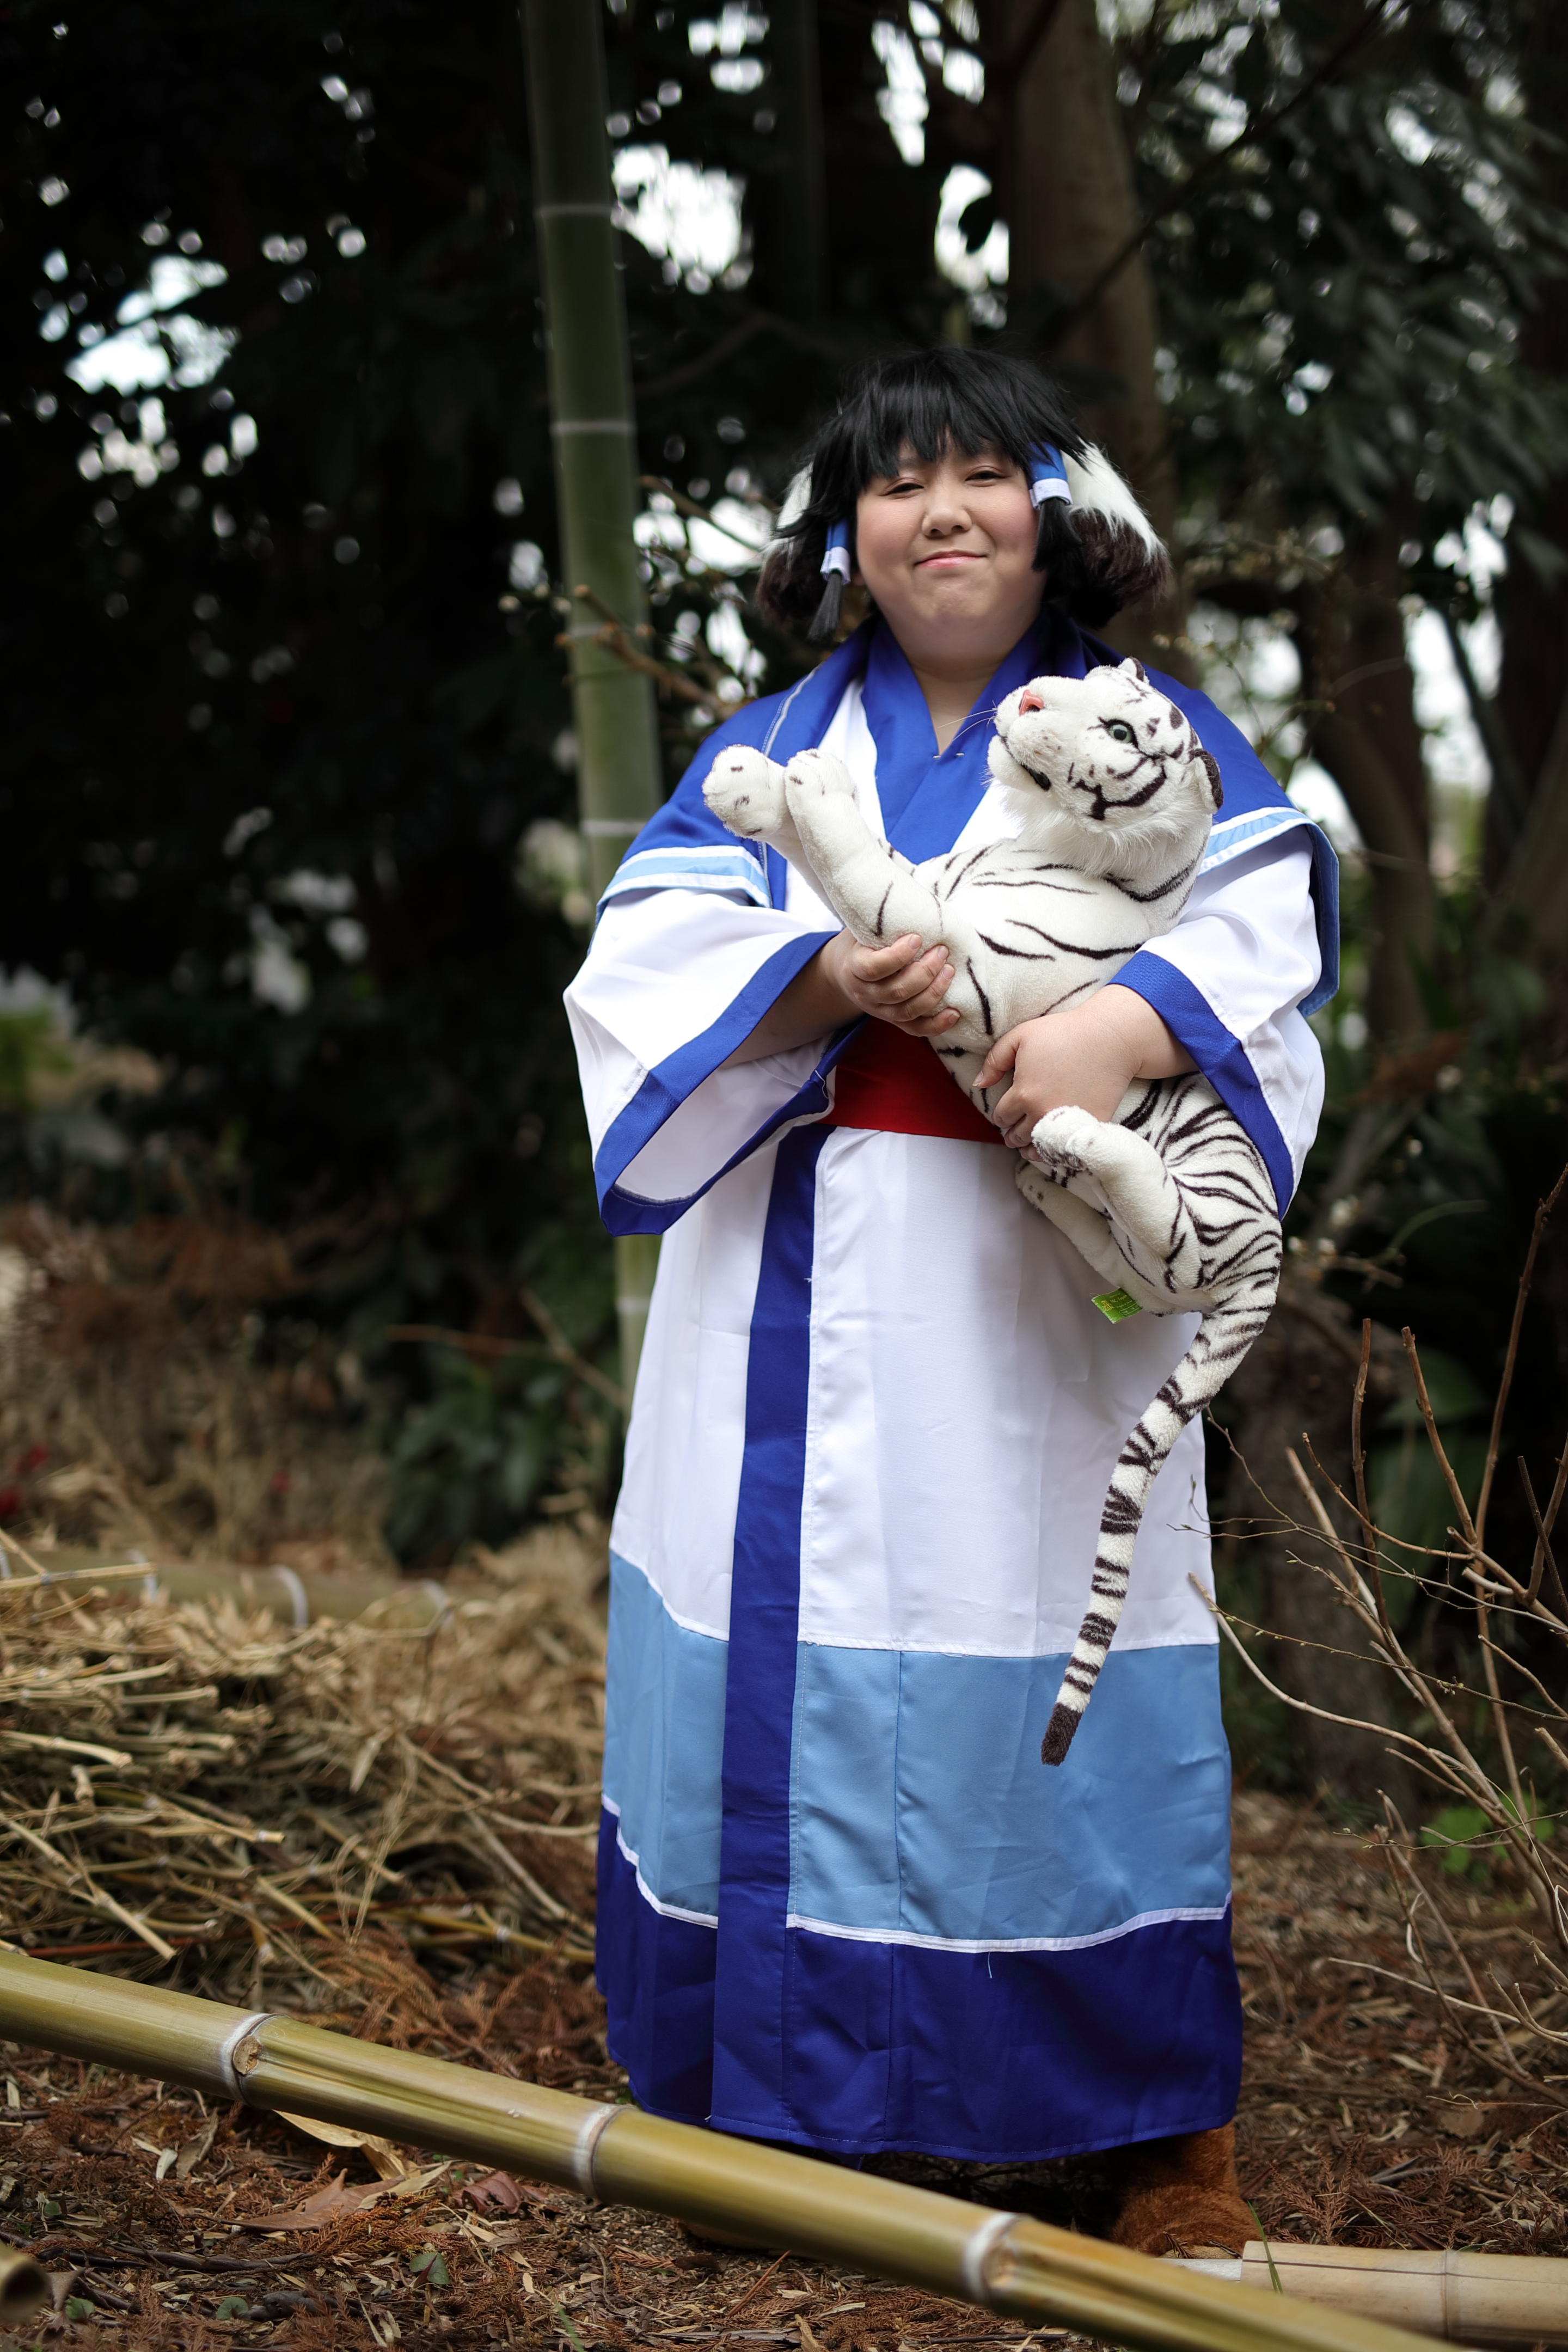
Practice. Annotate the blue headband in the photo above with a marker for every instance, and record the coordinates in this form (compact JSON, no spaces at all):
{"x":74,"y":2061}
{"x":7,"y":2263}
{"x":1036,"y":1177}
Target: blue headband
{"x":1047,"y":476}
{"x":836,"y":557}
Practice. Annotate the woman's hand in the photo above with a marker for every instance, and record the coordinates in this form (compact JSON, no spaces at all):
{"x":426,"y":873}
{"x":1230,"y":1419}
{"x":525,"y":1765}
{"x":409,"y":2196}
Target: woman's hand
{"x":903,"y":984}
{"x":1086,"y":1056}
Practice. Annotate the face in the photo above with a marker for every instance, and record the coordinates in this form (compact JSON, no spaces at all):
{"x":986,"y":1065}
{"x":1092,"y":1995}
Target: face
{"x":947,"y":549}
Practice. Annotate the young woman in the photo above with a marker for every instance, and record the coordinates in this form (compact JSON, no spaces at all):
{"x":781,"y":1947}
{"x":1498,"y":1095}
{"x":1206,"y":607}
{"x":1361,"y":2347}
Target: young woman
{"x":842,"y":1904}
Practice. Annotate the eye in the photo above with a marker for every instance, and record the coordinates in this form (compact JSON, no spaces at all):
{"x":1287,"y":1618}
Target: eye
{"x":1119,"y":731}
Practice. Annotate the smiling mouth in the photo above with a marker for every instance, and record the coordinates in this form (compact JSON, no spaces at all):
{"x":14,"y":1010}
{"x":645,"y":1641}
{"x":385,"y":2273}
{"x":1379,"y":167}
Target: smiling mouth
{"x":949,"y":555}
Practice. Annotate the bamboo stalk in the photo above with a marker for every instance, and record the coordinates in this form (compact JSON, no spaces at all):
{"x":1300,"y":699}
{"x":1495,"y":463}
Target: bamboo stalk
{"x":301,"y":1596}
{"x":24,"y":2289}
{"x":1466,"y":2298}
{"x":619,"y":771}
{"x":294,"y":1596}
{"x":619,"y":2155}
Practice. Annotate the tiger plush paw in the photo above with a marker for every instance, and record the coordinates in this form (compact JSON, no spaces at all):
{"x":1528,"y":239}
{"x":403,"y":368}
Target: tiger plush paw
{"x":818,"y":775}
{"x":745,"y":790}
{"x":1066,"y":1143}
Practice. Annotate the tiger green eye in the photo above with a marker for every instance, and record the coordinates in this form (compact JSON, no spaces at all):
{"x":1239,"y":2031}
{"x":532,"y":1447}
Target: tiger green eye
{"x":1119,"y":731}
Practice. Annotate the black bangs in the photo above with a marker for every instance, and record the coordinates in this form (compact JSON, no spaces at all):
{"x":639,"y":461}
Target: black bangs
{"x":929,"y":401}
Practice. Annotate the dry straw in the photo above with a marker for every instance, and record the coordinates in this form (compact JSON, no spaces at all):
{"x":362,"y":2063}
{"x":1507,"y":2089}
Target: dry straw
{"x":201,"y":1779}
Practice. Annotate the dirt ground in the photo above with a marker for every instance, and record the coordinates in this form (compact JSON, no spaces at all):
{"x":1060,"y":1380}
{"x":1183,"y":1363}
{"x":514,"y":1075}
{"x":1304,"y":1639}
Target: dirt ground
{"x":1358,"y":2124}
{"x":393,"y":1835}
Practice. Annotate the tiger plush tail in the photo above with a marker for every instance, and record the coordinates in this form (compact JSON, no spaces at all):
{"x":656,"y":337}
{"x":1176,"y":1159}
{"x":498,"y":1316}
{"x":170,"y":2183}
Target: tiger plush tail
{"x":1228,"y":1332}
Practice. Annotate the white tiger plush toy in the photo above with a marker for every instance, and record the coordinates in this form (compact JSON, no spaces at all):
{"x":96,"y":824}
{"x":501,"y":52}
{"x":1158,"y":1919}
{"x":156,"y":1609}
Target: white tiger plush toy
{"x":1169,"y":1201}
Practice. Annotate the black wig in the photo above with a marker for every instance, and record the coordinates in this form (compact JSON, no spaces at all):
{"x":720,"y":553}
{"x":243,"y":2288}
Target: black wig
{"x":1097,"y":555}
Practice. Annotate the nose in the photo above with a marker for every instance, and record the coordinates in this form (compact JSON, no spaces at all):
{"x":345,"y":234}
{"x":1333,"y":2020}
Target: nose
{"x":1029,"y":700}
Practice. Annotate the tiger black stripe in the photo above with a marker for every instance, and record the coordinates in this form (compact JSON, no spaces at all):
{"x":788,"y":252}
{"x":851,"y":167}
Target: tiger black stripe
{"x":1213,"y":1242}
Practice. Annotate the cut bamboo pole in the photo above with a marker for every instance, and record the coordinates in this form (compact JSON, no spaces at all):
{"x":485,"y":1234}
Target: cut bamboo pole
{"x":301,"y":1596}
{"x":295,"y":1596}
{"x":1468,"y":2298}
{"x":620,"y":775}
{"x":624,"y":2156}
{"x":24,"y":2289}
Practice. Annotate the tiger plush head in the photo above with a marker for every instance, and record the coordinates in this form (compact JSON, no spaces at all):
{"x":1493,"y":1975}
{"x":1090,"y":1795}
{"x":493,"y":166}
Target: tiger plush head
{"x":1104,"y":773}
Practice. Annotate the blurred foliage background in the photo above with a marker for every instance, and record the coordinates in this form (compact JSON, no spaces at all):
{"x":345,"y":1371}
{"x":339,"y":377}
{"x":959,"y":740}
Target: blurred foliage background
{"x":293,"y":883}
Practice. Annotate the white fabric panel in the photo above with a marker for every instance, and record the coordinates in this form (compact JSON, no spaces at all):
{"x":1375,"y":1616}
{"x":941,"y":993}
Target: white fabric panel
{"x":849,"y":739}
{"x":950,"y":1321}
{"x":968,"y":1403}
{"x":967,"y":1400}
{"x":676,"y":1515}
{"x":1248,"y":942}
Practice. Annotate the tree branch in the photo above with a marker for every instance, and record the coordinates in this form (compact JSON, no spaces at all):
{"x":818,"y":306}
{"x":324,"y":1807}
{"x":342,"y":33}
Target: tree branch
{"x":1255,"y":128}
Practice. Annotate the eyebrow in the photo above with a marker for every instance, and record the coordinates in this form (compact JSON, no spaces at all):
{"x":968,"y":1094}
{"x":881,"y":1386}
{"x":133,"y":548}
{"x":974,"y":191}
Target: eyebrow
{"x":991,"y":456}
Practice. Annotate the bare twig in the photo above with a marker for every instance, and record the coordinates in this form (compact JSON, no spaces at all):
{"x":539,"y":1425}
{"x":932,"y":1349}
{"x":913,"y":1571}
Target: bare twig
{"x":560,"y":1348}
{"x":1301,"y":1706}
{"x":1537,"y":1234}
{"x":1466,"y":1524}
{"x":1544,"y":1556}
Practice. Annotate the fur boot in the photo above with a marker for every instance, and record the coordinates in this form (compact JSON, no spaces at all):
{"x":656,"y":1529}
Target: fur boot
{"x":1181,"y":2196}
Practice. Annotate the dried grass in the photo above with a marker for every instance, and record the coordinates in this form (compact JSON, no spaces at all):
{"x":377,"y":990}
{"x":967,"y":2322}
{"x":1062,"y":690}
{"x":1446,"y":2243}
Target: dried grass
{"x":184,"y":1779}
{"x":134,"y":1411}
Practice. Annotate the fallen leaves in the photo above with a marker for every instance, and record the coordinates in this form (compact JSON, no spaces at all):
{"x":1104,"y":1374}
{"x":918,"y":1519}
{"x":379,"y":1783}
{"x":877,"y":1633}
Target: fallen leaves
{"x":336,"y":2203}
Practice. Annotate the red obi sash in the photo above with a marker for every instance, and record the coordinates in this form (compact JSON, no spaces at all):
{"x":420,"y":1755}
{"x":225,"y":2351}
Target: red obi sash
{"x":893,"y":1082}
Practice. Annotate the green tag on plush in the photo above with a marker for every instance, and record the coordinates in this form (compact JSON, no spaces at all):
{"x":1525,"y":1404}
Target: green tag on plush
{"x":1116,"y":1305}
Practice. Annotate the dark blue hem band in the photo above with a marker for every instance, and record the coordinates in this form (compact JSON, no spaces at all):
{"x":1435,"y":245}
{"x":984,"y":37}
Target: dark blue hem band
{"x":988,"y":2058}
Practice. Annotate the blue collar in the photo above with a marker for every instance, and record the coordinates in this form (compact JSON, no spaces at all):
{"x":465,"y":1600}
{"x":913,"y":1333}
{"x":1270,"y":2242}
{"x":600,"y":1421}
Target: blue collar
{"x":928,"y":797}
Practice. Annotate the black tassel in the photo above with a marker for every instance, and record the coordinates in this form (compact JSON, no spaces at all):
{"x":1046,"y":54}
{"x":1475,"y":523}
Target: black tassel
{"x":825,"y":624}
{"x":1056,"y":549}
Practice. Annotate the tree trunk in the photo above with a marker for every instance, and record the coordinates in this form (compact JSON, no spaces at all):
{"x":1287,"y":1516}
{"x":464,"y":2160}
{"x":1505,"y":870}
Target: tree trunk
{"x":790,"y":196}
{"x":619,"y":771}
{"x":1531,"y":701}
{"x":1065,"y":178}
{"x":1366,"y":735}
{"x":1534,"y":616}
{"x":1298,"y":1379}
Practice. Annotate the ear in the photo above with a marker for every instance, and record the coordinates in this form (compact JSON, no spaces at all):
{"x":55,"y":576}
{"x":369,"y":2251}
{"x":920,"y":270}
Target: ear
{"x":1216,"y":793}
{"x":1136,"y":669}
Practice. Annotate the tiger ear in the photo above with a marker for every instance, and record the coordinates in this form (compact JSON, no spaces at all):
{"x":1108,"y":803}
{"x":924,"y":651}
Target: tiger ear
{"x":1137,"y":670}
{"x":1215,"y":795}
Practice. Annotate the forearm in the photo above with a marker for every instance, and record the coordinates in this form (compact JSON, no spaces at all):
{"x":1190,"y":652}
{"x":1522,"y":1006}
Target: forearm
{"x":903,"y":983}
{"x":1150,"y":1049}
{"x":1085,"y":1056}
{"x":812,"y":1005}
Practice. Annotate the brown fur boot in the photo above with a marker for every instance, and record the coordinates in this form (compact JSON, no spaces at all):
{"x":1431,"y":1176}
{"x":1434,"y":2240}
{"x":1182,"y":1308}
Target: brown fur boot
{"x":1181,"y":2196}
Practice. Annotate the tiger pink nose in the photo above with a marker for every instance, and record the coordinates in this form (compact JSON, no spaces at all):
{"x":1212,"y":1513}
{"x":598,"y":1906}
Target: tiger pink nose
{"x":1030,"y":701}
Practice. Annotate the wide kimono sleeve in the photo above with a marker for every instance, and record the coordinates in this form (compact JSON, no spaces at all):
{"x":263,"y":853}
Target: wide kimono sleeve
{"x":694,"y":944}
{"x":676,"y":979}
{"x":1256,"y":951}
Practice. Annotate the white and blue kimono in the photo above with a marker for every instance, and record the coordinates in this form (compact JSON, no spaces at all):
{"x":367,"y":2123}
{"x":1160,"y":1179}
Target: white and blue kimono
{"x":842,"y":1903}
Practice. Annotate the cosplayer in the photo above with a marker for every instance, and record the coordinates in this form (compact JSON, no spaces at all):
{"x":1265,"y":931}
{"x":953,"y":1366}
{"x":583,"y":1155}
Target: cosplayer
{"x":842,"y":1904}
